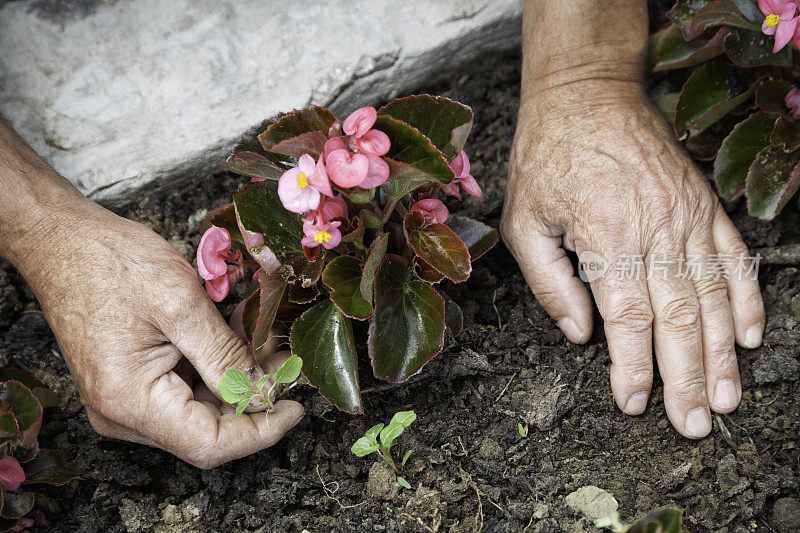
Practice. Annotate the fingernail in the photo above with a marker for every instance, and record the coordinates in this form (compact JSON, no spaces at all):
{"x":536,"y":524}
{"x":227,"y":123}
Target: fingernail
{"x":726,"y":394}
{"x":753,"y":336}
{"x":570,"y":329}
{"x":637,"y":403}
{"x":698,"y":422}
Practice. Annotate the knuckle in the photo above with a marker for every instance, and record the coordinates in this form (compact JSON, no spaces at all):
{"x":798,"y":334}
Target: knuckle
{"x":632,"y":314}
{"x":225,"y":351}
{"x":711,"y":288}
{"x":688,"y":386}
{"x":723,"y":356}
{"x":638,"y":374}
{"x":681,"y":316}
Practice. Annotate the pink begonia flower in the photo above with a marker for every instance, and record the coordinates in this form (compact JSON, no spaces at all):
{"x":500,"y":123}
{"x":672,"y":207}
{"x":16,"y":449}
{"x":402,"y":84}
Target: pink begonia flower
{"x":21,"y":525}
{"x":347,"y":169}
{"x":299,"y":188}
{"x":11,"y":473}
{"x":780,"y":21}
{"x":334,"y":208}
{"x":213,"y":255}
{"x":432,"y":209}
{"x":362,"y":137}
{"x":460,"y":166}
{"x":793,"y":102}
{"x":360,"y":121}
{"x":377,"y":174}
{"x":319,"y":232}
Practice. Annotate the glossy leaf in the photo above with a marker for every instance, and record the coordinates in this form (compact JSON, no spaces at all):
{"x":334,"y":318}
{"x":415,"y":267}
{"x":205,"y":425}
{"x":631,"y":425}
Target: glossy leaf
{"x":403,"y":179}
{"x":672,"y":51}
{"x":403,"y":418}
{"x":389,"y":434}
{"x":292,"y":124}
{"x":19,"y":399}
{"x":374,"y":259}
{"x":374,"y":431}
{"x":438,"y":246}
{"x":260,"y":212}
{"x":413,"y":148}
{"x":252,"y":164}
{"x":754,"y":49}
{"x":739,"y":150}
{"x":710,"y":93}
{"x":248,"y":141}
{"x":445,"y":122}
{"x":453,"y":317}
{"x":343,"y":277}
{"x":323,"y":338}
{"x":771,"y":96}
{"x":683,"y":12}
{"x":311,"y":143}
{"x":290,"y":370}
{"x":260,"y":309}
{"x":23,"y":376}
{"x":364,"y":446}
{"x":48,"y":467}
{"x":772,"y":179}
{"x":224,"y":217}
{"x":719,"y":13}
{"x":477,"y":236}
{"x":665,"y":520}
{"x":408,"y":327}
{"x":426,"y":272}
{"x":786,"y":134}
{"x":17,"y":504}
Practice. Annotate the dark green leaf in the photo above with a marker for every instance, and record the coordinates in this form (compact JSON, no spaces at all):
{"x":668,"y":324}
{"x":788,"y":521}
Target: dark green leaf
{"x":260,"y":309}
{"x":248,"y":141}
{"x":252,"y":164}
{"x":754,"y":49}
{"x":720,"y":13}
{"x":786,"y":134}
{"x":343,"y":277}
{"x":48,"y":467}
{"x":771,"y":96}
{"x":364,"y":446}
{"x":672,"y":51}
{"x":403,"y":179}
{"x":453,"y":317}
{"x":438,"y":246}
{"x":223,"y":217}
{"x":445,"y":122}
{"x":8,"y":424}
{"x":19,"y":399}
{"x":709,"y":94}
{"x":665,"y":520}
{"x":411,"y":147}
{"x":290,"y":370}
{"x":683,"y":12}
{"x":408,"y":327}
{"x":264,"y":222}
{"x":46,"y":397}
{"x":23,"y":376}
{"x":17,"y":504}
{"x":323,"y":338}
{"x":771,"y":181}
{"x":374,"y":259}
{"x":292,"y":124}
{"x":311,"y":143}
{"x":426,"y":272}
{"x":739,"y":150}
{"x":666,"y":104}
{"x":479,"y":237}
{"x":374,"y":431}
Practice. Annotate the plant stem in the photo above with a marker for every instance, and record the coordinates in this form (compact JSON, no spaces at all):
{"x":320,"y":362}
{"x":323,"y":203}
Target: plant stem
{"x":388,"y":210}
{"x":387,"y":456}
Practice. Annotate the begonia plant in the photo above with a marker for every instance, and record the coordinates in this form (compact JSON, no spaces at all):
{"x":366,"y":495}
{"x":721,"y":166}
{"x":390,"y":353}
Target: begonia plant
{"x":739,"y":105}
{"x":23,"y":399}
{"x":345,"y":228}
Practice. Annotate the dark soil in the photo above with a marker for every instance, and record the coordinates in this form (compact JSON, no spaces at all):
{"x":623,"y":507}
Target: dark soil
{"x":470,"y":469}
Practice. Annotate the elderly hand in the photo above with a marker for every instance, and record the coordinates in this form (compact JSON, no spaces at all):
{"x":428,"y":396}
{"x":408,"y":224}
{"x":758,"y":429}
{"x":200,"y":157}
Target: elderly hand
{"x":595,"y":168}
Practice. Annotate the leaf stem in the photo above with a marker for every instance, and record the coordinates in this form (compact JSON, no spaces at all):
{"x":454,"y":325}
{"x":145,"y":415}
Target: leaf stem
{"x":388,"y":210}
{"x":387,"y":456}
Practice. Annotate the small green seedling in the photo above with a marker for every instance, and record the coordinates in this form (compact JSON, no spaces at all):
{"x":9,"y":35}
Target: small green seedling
{"x":523,"y":430}
{"x":234,"y":387}
{"x":664,"y":520}
{"x":380,"y":439}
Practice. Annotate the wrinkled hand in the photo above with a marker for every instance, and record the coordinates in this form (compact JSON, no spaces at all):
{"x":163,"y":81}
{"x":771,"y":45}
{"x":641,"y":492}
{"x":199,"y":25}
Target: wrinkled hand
{"x":609,"y":177}
{"x":142,"y":340}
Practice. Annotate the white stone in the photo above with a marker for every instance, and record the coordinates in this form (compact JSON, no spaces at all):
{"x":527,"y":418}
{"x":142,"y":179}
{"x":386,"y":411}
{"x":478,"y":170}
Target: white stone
{"x":592,"y":502}
{"x":125,"y":93}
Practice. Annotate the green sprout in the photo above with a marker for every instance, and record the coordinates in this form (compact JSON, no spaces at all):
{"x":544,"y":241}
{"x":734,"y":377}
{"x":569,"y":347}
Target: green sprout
{"x":664,"y":520}
{"x":235,"y":387}
{"x":380,"y":439}
{"x":523,"y":430}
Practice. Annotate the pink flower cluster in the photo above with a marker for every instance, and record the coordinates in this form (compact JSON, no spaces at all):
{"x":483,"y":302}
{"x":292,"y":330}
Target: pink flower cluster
{"x":793,"y":102}
{"x":781,"y":21}
{"x":217,"y":264}
{"x":11,"y":477}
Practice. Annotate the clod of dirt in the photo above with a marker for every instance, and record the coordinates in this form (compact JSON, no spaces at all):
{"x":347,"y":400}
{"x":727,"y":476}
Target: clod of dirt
{"x":194,"y":506}
{"x":381,"y":483}
{"x":786,"y":515}
{"x":137,"y":516}
{"x":592,"y":502}
{"x":773,"y":366}
{"x":171,"y":515}
{"x":546,"y":404}
{"x":491,"y":450}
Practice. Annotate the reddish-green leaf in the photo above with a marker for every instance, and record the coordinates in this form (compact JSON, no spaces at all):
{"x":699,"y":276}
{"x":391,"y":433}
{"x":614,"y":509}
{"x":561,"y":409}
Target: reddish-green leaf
{"x":8,"y":424}
{"x":19,"y":399}
{"x":771,"y":181}
{"x":672,"y":51}
{"x":343,"y":277}
{"x":426,"y":272}
{"x":17,"y":504}
{"x":260,"y":309}
{"x":323,"y":338}
{"x":413,"y":148}
{"x":222,"y":217}
{"x":683,"y":12}
{"x":408,"y":327}
{"x":48,"y":467}
{"x":710,"y":93}
{"x":46,"y":397}
{"x":374,"y":259}
{"x":771,"y":96}
{"x":292,"y":124}
{"x":453,"y":317}
{"x":786,"y":134}
{"x":311,"y":143}
{"x":23,"y":376}
{"x":403,"y":179}
{"x":754,"y":49}
{"x":264,"y":221}
{"x":478,"y":237}
{"x":438,"y":246}
{"x":445,"y":122}
{"x":252,"y":164}
{"x":719,"y":13}
{"x":666,"y":104}
{"x":739,"y":150}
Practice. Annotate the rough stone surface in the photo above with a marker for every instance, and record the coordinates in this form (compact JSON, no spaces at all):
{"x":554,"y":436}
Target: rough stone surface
{"x":118,"y":94}
{"x":592,"y":502}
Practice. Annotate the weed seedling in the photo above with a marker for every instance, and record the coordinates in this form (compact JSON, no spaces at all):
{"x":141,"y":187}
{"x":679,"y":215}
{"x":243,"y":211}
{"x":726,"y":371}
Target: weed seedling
{"x":380,"y":439}
{"x":523,"y":430}
{"x":234,"y":387}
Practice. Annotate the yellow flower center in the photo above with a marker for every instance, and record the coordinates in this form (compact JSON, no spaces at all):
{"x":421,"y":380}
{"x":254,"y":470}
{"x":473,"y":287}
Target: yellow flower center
{"x":772,"y":20}
{"x":322,"y":236}
{"x":302,"y":180}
